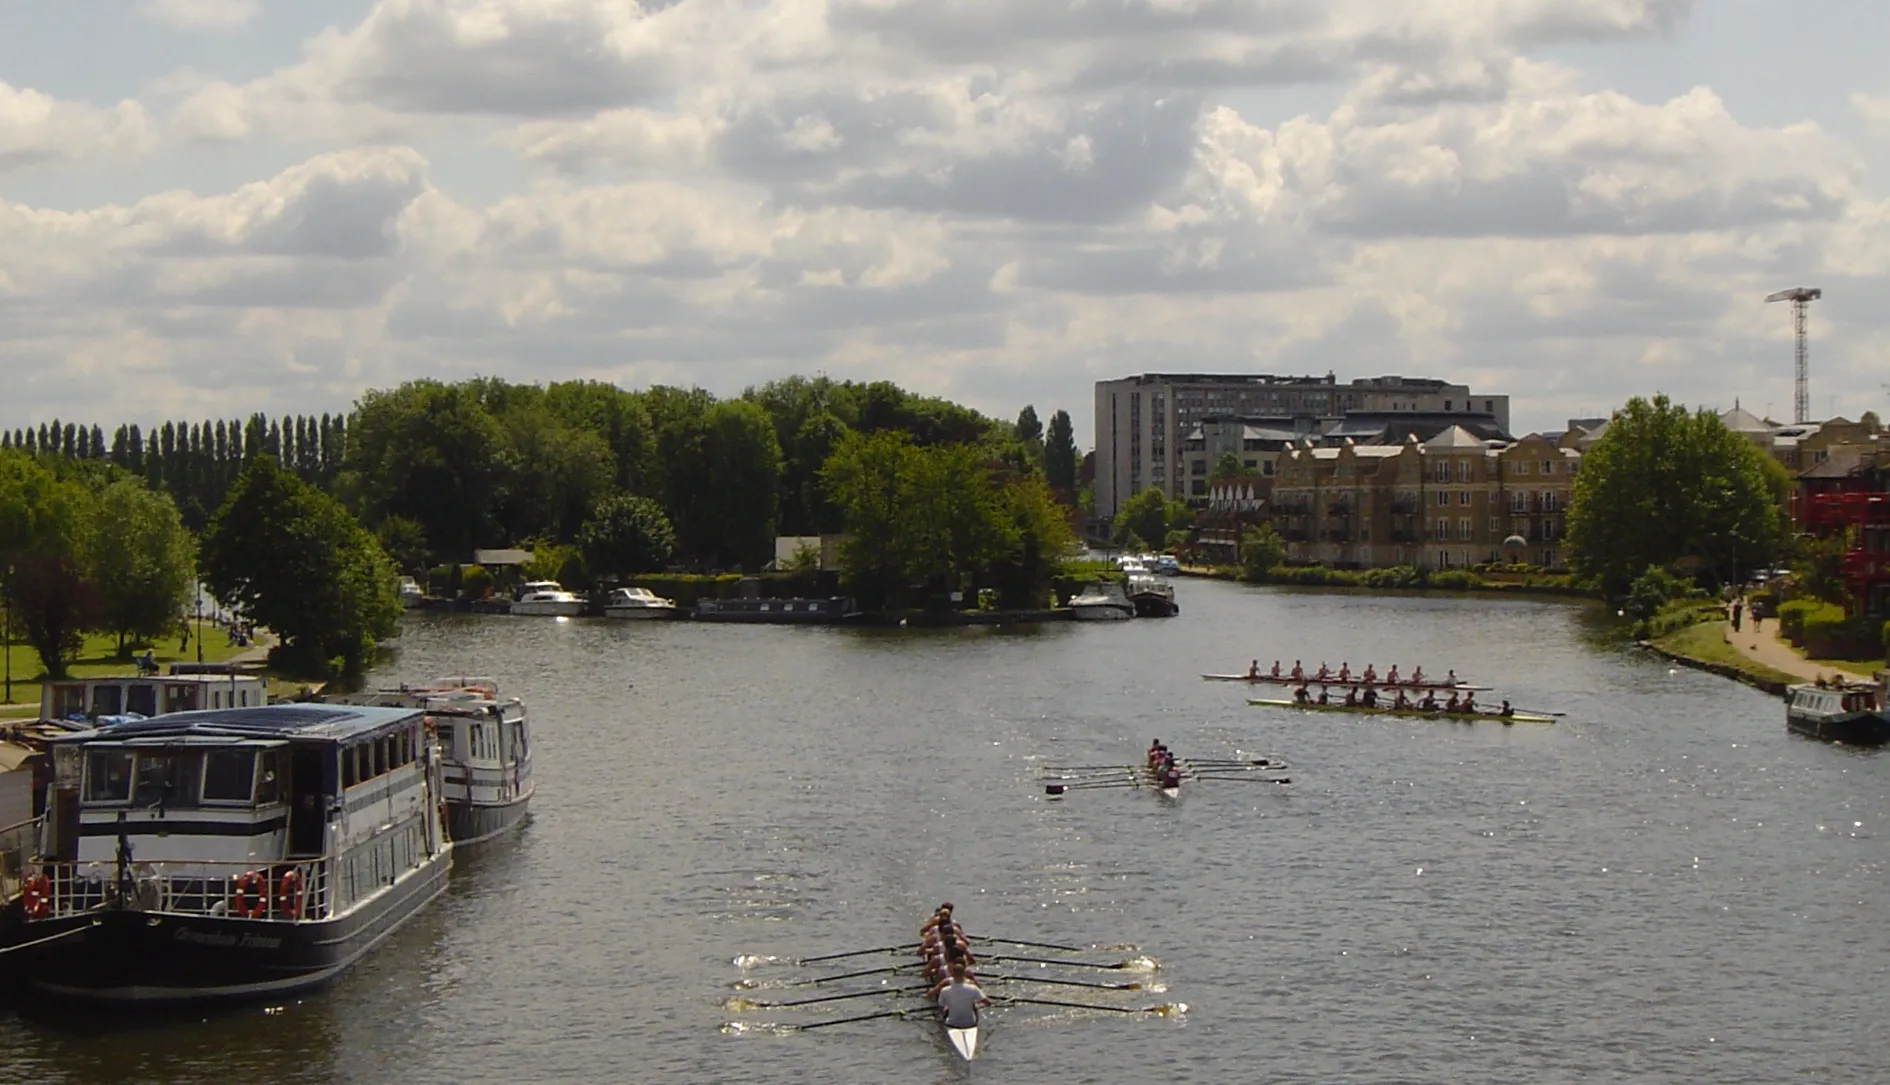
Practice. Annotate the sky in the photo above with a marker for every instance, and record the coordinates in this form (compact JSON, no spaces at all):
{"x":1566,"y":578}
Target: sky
{"x":214,"y":207}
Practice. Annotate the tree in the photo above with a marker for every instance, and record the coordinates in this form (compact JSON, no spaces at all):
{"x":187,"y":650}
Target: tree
{"x":404,"y":542}
{"x":626,"y":534}
{"x":1029,"y":430}
{"x":1260,"y":550}
{"x":46,"y":524}
{"x":1228,"y":465}
{"x":1149,"y":516}
{"x":1041,"y":537}
{"x":427,"y":451}
{"x":1059,"y":455}
{"x":1663,"y":484}
{"x":557,"y":474}
{"x":143,"y":562}
{"x":292,"y":559}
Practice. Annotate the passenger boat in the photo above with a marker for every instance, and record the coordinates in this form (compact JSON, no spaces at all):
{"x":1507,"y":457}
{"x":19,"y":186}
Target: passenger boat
{"x":1852,"y":713}
{"x":637,"y":603}
{"x":547,"y":599}
{"x":1355,"y":680}
{"x":1411,"y":711}
{"x":148,"y":695}
{"x":1105,"y":602}
{"x":485,"y":748}
{"x":1153,"y":597}
{"x":230,"y":854}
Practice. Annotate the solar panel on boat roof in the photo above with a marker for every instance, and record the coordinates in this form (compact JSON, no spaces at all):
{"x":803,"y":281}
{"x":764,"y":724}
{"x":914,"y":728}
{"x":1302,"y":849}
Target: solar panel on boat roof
{"x":331,"y":721}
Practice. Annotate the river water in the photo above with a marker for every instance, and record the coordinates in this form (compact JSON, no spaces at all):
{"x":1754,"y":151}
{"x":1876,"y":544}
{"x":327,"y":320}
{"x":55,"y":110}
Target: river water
{"x":1663,"y":886}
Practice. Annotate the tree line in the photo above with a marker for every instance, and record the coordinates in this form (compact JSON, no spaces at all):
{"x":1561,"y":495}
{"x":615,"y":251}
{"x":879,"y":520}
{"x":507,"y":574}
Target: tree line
{"x":302,"y":522}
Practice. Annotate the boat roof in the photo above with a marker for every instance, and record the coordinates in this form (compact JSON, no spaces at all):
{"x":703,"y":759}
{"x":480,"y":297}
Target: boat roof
{"x":332,"y":723}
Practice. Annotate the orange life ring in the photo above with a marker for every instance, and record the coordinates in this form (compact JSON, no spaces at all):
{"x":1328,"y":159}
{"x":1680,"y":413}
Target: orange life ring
{"x":289,"y":895}
{"x":251,"y":896}
{"x":36,"y":897}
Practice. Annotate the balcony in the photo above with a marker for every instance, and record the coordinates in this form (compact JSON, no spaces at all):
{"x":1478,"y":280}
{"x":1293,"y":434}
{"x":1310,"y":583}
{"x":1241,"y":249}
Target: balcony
{"x":1404,"y":505}
{"x":1340,"y":508}
{"x":1405,"y":535}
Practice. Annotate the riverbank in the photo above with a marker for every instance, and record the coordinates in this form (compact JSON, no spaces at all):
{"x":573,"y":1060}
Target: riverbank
{"x":1401,"y":581}
{"x":1757,"y":657}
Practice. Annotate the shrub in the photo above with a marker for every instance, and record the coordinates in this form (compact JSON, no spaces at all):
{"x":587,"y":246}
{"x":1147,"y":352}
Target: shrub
{"x":1654,"y":589}
{"x":1831,"y":634}
{"x":1793,"y":615}
{"x":1455,"y":580}
{"x":475,"y":581}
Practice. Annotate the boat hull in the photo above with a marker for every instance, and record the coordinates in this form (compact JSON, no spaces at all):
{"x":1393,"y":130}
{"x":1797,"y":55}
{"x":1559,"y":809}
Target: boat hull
{"x":476,"y":822}
{"x":1100,"y":613}
{"x":639,"y":614}
{"x":964,"y":1041}
{"x":134,"y":958}
{"x":1155,"y":606}
{"x":561,"y":609}
{"x":1862,"y":729}
{"x":1411,"y":713}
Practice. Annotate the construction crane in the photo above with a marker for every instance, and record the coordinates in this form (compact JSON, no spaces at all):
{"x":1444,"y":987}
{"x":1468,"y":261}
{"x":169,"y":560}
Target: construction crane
{"x":1800,"y":297}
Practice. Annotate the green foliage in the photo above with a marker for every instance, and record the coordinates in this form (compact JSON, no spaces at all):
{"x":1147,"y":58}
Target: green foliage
{"x":47,"y":526}
{"x":557,"y":561}
{"x":1818,"y":567}
{"x":291,"y":558}
{"x":1677,"y":614}
{"x":475,"y":581}
{"x":1830,"y":633}
{"x":1039,"y":539}
{"x":1029,"y":429}
{"x":627,"y":534}
{"x":142,"y":562}
{"x":432,"y":453}
{"x":1149,"y":516}
{"x":1663,"y":485}
{"x":1227,"y":466}
{"x":557,"y":472}
{"x":1059,"y":454}
{"x":404,"y":542}
{"x":1654,"y":589}
{"x":1792,"y":616}
{"x":1261,"y":551}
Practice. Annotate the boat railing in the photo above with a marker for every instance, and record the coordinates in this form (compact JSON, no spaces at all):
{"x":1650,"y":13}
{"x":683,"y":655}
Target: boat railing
{"x":283,"y":891}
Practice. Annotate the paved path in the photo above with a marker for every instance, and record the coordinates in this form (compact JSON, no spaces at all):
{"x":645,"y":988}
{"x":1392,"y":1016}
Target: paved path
{"x":1764,"y":646}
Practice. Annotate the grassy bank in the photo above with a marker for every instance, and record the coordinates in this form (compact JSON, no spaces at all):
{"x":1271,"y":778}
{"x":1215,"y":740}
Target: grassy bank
{"x":1705,"y":644}
{"x":98,"y":657}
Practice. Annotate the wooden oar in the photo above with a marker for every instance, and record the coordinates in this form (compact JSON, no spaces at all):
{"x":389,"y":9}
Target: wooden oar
{"x":1073,"y":1005}
{"x":859,"y":953}
{"x":1058,"y":789}
{"x":837,"y":998}
{"x":854,"y":975}
{"x":1536,"y":712}
{"x":1262,"y":762}
{"x":1250,"y":779}
{"x":1069,"y":964}
{"x":1038,"y":945}
{"x":1070,"y":983}
{"x":850,"y":1020}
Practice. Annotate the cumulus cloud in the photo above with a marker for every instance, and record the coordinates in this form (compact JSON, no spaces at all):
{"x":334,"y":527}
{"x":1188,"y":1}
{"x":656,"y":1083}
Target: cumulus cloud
{"x":37,"y":128}
{"x":201,"y":14}
{"x":997,"y":199}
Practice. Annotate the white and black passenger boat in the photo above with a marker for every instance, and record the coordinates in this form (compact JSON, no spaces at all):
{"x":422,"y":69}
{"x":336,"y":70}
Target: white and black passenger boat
{"x":1850,"y":713}
{"x":241,"y":853}
{"x":485,"y":748}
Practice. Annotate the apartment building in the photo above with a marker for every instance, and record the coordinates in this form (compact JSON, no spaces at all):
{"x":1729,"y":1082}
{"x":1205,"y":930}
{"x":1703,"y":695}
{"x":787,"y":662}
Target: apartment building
{"x":1166,"y":430}
{"x":1452,"y":501}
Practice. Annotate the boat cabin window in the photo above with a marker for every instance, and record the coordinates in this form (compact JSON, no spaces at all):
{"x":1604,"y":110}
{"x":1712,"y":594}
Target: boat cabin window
{"x":105,"y":700}
{"x":68,"y":701}
{"x":179,"y":697}
{"x":142,"y":699}
{"x":269,"y":782}
{"x":229,"y":775}
{"x":108,"y":776}
{"x":446,"y":739}
{"x":520,"y":750}
{"x":168,"y":777}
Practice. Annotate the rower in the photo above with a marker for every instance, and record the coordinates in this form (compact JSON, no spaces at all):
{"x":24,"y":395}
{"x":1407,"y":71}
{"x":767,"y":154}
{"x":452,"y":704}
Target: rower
{"x":1417,"y":674}
{"x":1276,"y":668}
{"x":1253,"y":669}
{"x":1506,"y":710}
{"x":1324,"y":696}
{"x":1391,"y":676}
{"x":1154,"y":748}
{"x":1370,"y":675}
{"x":1469,"y":702}
{"x":1402,"y":701}
{"x":1351,"y":695}
{"x":943,"y":915}
{"x":958,"y":999}
{"x":1171,"y":775}
{"x":1370,"y":699}
{"x":1299,"y":672}
{"x":1429,"y":704}
{"x":1301,"y":695}
{"x":1451,"y":705}
{"x":1345,"y":671}
{"x":1450,"y":678}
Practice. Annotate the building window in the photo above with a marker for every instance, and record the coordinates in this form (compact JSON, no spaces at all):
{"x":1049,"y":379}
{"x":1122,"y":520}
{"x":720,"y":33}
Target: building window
{"x":1443,"y":498}
{"x":1523,"y":467}
{"x":1489,"y":406}
{"x":1496,"y":525}
{"x":1463,"y":556}
{"x":1463,"y":471}
{"x":1447,"y":405}
{"x":1548,"y":501}
{"x":1463,"y":497}
{"x":1250,"y":464}
{"x":1265,"y":468}
{"x":1548,"y":559}
{"x":1548,"y":467}
{"x":1199,"y":487}
{"x":1443,"y":471}
{"x":1463,"y":529}
{"x":1443,"y":529}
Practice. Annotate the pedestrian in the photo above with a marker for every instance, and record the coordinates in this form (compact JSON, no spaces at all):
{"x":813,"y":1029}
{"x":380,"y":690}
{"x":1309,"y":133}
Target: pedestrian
{"x":1738,"y":609}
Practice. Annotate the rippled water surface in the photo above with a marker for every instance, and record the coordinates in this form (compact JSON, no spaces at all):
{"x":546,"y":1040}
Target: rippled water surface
{"x":1664,"y":886}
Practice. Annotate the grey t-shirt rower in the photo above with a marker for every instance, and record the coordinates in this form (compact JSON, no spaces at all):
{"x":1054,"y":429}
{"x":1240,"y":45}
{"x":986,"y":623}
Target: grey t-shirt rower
{"x":960,"y":1003}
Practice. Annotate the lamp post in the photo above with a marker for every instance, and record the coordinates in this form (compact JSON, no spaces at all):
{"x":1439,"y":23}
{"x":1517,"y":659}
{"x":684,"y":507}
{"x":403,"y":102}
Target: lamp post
{"x":6,"y":641}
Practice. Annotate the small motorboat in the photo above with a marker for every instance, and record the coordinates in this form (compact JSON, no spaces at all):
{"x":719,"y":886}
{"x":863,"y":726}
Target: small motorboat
{"x":637,"y":603}
{"x":547,"y":599}
{"x":1105,"y":602}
